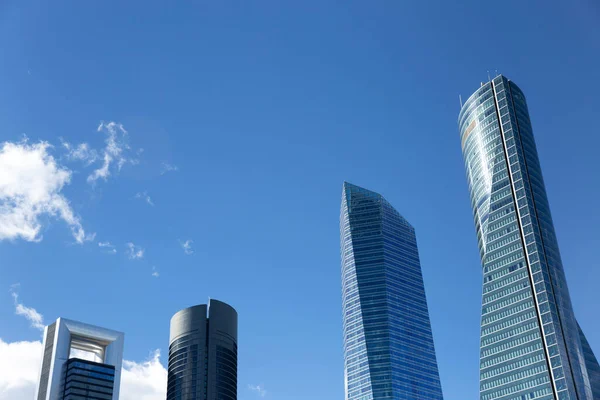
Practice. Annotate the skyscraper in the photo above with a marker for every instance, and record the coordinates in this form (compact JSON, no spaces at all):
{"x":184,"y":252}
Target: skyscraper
{"x":203,"y":353}
{"x":79,"y":362}
{"x":530,"y":342}
{"x":591,"y":364}
{"x":388,"y":344}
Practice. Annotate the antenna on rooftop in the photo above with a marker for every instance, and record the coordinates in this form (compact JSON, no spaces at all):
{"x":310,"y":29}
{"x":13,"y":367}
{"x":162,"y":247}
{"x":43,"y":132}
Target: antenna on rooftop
{"x":460,"y":99}
{"x":496,"y":72}
{"x":489,"y":79}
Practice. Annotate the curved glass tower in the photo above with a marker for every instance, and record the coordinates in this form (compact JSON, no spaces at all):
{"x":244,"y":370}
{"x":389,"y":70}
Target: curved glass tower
{"x":388,"y":345}
{"x":530,"y":342}
{"x":203,"y":353}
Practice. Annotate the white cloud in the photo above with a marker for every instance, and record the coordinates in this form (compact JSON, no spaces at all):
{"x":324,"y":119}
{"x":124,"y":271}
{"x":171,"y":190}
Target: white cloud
{"x":144,"y":196}
{"x":134,"y":252}
{"x":81,"y":152}
{"x":144,"y":381}
{"x":19,"y":369}
{"x":35,"y":318}
{"x":110,"y":248}
{"x":260,"y":389}
{"x":114,"y":152}
{"x":31,"y":182}
{"x":166,"y":167}
{"x":20,"y":365}
{"x":187,"y":246}
{"x":155,"y":272}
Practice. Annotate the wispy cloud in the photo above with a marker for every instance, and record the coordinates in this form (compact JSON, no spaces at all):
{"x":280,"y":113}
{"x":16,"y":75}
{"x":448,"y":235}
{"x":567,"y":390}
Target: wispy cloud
{"x":134,"y":252}
{"x":81,"y":152}
{"x":144,"y":196}
{"x":110,"y":248}
{"x":30,"y":187}
{"x":259,"y":389}
{"x":166,"y":167}
{"x":155,"y":272}
{"x":114,"y":152}
{"x":187,"y":246}
{"x":35,"y":318}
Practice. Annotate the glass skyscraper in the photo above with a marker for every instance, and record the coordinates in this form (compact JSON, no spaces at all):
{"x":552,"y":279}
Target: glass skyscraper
{"x":203,"y":353}
{"x":531,"y":345}
{"x":591,"y":364}
{"x":388,"y":345}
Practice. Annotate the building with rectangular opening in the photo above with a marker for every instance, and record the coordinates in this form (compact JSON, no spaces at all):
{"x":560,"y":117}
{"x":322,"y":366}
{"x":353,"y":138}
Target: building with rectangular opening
{"x":80,"y":361}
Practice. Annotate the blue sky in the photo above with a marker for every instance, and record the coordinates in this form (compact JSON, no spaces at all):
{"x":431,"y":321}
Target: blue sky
{"x":265,"y":108}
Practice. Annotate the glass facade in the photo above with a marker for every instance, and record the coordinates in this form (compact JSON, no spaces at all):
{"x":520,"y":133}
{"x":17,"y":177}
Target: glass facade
{"x":226,"y":371}
{"x":530,"y":344}
{"x":203,"y":353}
{"x":591,"y":364}
{"x":87,"y":380}
{"x":184,"y":368}
{"x":388,"y":344}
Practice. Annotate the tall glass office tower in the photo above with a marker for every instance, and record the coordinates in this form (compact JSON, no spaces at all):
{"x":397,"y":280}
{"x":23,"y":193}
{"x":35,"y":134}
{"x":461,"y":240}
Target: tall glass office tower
{"x":388,"y":345}
{"x":531,"y":347}
{"x":203,"y":353}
